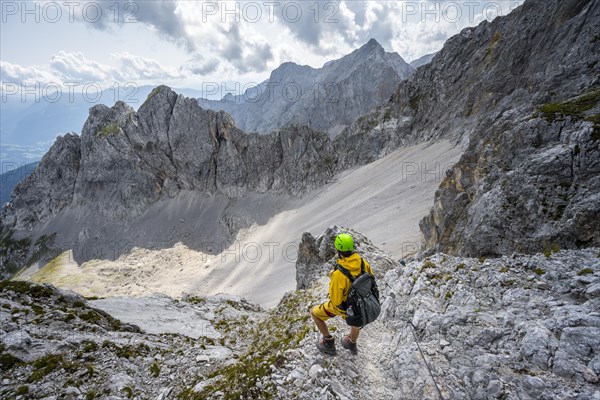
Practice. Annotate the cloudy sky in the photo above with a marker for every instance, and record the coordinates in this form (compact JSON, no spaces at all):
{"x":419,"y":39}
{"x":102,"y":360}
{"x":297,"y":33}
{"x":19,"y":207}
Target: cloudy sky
{"x":189,"y":43}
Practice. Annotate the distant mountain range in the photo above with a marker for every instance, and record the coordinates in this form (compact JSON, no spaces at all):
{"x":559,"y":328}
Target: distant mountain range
{"x":326,"y":98}
{"x":9,"y":180}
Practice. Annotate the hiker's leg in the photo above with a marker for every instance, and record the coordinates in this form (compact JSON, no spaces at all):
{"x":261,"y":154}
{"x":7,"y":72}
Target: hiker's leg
{"x":354,"y":331}
{"x":321,"y":325}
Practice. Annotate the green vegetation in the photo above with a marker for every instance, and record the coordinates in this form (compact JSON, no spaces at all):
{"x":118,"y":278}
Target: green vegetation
{"x":269,"y":340}
{"x":28,"y":288}
{"x":155,"y":369}
{"x":571,"y":108}
{"x":504,"y":269}
{"x":195,"y":300}
{"x":49,"y":270}
{"x":90,"y":316}
{"x":7,"y":360}
{"x":548,"y":250}
{"x":428,"y":264}
{"x":37,"y":309}
{"x":152,"y":94}
{"x":69,"y":317}
{"x":507,"y":283}
{"x":45,"y":365}
{"x":128,"y":392}
{"x":91,"y":395}
{"x":539,"y":271}
{"x":127,"y":351}
{"x":414,"y":101}
{"x":448,"y":295}
{"x":111,"y":129}
{"x":89,"y":346}
{"x":22,"y":390}
{"x":459,"y":267}
{"x":585,"y":271}
{"x":575,"y":109}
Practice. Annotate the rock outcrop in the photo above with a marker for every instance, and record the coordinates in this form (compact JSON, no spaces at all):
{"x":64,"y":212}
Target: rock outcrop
{"x":125,"y":161}
{"x":326,"y":98}
{"x":521,"y":327}
{"x":529,"y":106}
{"x":57,"y":343}
{"x":317,"y":255}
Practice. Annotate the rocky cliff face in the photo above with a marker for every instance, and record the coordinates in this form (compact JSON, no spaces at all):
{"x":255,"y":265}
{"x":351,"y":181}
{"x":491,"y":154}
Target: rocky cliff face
{"x":91,"y":188}
{"x":324,"y":98}
{"x":529,"y":177}
{"x":126,"y":161}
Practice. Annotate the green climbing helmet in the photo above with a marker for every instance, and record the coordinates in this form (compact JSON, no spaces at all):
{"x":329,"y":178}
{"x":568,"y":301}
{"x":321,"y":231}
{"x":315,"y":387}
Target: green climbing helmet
{"x":344,"y":242}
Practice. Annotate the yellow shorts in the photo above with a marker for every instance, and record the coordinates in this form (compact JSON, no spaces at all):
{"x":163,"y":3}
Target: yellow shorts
{"x":327,"y":310}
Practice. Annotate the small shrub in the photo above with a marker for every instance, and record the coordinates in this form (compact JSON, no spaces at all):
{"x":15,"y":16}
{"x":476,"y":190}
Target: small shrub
{"x":69,"y":317}
{"x":585,"y":271}
{"x":504,"y":269}
{"x":89,"y":346}
{"x":539,"y":271}
{"x":90,"y":316}
{"x":38,"y":310}
{"x":155,"y":369}
{"x":91,"y":395}
{"x":128,"y":392}
{"x":459,"y":267}
{"x":7,"y":361}
{"x":22,"y":390}
{"x":45,"y":365}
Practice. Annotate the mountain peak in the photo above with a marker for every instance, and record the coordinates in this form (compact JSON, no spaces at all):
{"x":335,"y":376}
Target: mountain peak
{"x":372,"y":43}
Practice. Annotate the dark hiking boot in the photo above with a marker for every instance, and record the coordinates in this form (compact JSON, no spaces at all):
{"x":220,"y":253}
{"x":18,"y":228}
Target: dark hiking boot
{"x":350,"y":345}
{"x":326,"y":345}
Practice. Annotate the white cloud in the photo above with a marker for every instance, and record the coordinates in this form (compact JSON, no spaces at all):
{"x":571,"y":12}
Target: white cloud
{"x":226,"y":46}
{"x":75,"y":66}
{"x":66,"y":67}
{"x":134,"y":67}
{"x":20,"y":75}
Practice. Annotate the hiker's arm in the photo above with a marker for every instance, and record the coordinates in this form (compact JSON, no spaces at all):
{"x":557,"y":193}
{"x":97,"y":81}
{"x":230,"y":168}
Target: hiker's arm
{"x":336,"y":289}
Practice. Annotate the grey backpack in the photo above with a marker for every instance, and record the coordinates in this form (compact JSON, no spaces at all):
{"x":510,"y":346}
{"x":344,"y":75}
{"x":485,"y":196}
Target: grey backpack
{"x":362,"y":306}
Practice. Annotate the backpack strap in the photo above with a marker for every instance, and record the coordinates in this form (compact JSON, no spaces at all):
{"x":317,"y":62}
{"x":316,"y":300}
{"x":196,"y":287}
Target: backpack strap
{"x":348,"y":274}
{"x":345,"y":272}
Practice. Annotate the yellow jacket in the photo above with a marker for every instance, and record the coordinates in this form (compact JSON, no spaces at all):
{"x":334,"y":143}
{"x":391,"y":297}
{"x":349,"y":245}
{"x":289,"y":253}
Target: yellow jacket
{"x":339,"y":285}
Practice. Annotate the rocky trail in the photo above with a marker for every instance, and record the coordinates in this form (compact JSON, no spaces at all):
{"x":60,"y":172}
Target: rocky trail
{"x":518,"y":327}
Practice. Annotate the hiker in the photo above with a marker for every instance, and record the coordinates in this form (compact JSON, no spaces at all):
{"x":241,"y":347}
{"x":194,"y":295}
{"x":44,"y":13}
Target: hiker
{"x":339,"y":286}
